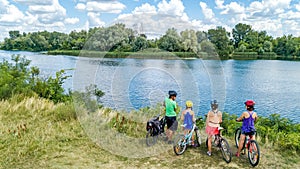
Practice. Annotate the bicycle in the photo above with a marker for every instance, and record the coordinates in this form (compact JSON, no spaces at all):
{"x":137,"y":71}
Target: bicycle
{"x":250,"y":145}
{"x":222,"y":144}
{"x":181,"y":141}
{"x":155,"y":128}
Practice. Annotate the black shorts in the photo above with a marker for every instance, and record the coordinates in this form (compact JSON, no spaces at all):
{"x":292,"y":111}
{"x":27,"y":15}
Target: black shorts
{"x":251,"y":133}
{"x":172,"y":123}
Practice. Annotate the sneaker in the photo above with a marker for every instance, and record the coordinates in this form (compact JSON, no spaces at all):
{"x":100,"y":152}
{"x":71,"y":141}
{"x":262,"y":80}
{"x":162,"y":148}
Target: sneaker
{"x":237,"y":154}
{"x":208,"y":153}
{"x":195,"y":145}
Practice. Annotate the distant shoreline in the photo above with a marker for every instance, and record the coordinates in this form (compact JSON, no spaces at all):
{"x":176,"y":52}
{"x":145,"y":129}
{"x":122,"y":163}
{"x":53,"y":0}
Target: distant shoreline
{"x":158,"y":54}
{"x":170,"y":55}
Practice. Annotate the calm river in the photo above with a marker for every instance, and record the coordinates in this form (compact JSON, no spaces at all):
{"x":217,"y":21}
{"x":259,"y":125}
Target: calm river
{"x":135,"y":83}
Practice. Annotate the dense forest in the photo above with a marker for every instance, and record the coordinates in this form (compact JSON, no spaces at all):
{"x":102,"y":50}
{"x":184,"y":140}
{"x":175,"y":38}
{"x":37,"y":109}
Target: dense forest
{"x":242,"y":42}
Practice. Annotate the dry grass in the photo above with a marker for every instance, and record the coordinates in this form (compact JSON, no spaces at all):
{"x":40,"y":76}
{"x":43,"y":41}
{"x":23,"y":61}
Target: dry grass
{"x":35,"y":133}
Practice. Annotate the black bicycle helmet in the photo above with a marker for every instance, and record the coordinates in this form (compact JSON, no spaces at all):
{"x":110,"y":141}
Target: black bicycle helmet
{"x":214,"y":104}
{"x":172,"y":93}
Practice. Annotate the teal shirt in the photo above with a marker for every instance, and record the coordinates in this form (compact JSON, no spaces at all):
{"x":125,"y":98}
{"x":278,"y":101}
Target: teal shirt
{"x":170,"y":107}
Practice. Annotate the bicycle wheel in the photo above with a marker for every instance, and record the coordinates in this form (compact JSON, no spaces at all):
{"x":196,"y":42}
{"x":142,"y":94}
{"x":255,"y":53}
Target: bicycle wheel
{"x":179,"y":146}
{"x":150,"y":138}
{"x":163,"y":136}
{"x":226,"y":152}
{"x":198,"y":138}
{"x":253,"y":153}
{"x":237,"y":136}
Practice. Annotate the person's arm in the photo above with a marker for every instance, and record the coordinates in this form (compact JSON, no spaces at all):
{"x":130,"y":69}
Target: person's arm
{"x":207,"y":118}
{"x":182,"y":115}
{"x":241,"y":117}
{"x":256,"y":117}
{"x":220,"y":118}
{"x":175,"y":106}
{"x":194,"y":118}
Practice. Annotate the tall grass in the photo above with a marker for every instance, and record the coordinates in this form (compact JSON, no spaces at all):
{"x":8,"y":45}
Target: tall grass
{"x":36,"y":133}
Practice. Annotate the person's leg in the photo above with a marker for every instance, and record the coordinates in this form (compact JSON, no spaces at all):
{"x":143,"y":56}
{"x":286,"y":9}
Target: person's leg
{"x":168,"y":122}
{"x":168,"y":133}
{"x":241,"y":144}
{"x":253,"y":137}
{"x":193,"y":137}
{"x":209,"y":138}
{"x":173,"y":127}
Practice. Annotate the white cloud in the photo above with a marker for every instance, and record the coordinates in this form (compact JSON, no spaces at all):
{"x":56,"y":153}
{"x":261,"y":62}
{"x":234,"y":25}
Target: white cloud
{"x":293,"y":27}
{"x":11,"y":15}
{"x":207,"y":12}
{"x":94,"y":20}
{"x":34,"y":2}
{"x":268,"y":8}
{"x":290,"y":15}
{"x":48,"y":14}
{"x":105,"y":6}
{"x":71,"y":20}
{"x":155,"y":20}
{"x":234,"y":12}
{"x":272,"y":26}
{"x":80,"y":6}
{"x":40,"y":15}
{"x":220,"y":4}
{"x":297,"y":6}
{"x":174,"y":7}
{"x":233,"y":8}
{"x":145,"y":8}
{"x":4,"y":4}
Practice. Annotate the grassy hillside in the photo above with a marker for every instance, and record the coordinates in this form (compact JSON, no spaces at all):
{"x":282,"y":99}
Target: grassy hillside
{"x":35,"y":133}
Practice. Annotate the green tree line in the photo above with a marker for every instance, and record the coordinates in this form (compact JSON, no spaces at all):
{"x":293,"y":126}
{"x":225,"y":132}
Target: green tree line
{"x":241,"y":43}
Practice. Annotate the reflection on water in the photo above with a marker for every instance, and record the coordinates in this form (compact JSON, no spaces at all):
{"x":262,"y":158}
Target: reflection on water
{"x":135,"y":83}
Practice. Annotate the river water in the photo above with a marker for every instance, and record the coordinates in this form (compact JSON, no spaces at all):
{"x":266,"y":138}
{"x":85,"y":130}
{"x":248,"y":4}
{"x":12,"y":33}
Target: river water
{"x":135,"y":83}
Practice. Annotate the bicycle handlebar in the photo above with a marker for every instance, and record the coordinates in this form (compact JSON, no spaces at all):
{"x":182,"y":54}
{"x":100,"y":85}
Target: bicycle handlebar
{"x":199,"y":119}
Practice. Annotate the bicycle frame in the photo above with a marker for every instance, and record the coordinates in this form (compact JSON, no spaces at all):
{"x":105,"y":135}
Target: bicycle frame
{"x":250,"y":145}
{"x":217,"y":137}
{"x":222,"y":144}
{"x":188,"y":136}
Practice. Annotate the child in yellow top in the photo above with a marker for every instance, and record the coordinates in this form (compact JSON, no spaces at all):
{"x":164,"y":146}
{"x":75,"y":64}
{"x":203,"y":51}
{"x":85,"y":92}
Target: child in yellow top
{"x":188,"y":117}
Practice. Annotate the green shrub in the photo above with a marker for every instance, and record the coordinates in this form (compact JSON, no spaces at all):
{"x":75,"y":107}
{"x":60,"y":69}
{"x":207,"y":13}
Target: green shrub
{"x":17,"y":77}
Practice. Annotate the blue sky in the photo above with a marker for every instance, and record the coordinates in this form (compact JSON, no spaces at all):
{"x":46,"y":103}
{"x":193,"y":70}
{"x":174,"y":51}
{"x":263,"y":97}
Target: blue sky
{"x":152,"y":17}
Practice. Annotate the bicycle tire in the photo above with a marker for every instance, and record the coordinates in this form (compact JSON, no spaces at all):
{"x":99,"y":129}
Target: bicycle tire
{"x":179,"y":146}
{"x":150,"y":138}
{"x":226,"y":152}
{"x":253,"y":150}
{"x":237,"y":136}
{"x":198,"y":137}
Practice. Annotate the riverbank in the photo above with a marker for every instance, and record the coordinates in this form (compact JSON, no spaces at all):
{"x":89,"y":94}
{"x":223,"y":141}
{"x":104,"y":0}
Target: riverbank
{"x":36,"y":133}
{"x":158,"y":54}
{"x":151,"y":54}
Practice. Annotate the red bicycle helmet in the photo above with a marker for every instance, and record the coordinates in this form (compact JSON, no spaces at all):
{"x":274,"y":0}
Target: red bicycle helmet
{"x":249,"y":103}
